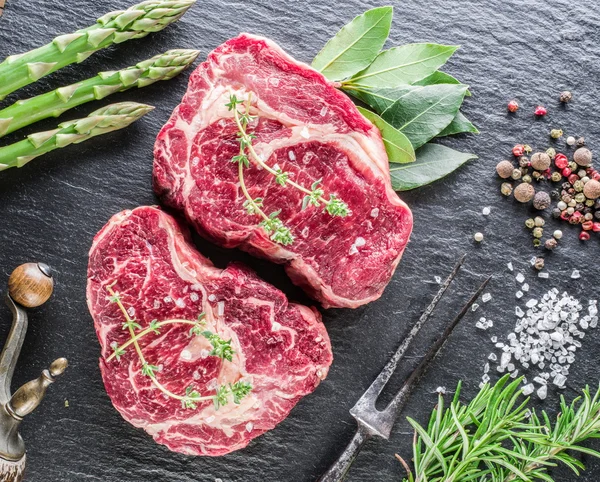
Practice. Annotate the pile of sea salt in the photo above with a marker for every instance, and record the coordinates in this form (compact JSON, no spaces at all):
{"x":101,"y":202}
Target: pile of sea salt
{"x":546,"y":336}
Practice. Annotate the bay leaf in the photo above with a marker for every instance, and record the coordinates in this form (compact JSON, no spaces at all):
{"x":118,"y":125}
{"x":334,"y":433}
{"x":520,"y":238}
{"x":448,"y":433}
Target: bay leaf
{"x":398,"y":147}
{"x":423,"y":113}
{"x":356,"y":45}
{"x":405,"y":64}
{"x":434,"y":161}
{"x":459,"y":124}
{"x":439,"y":77}
{"x":379,"y":98}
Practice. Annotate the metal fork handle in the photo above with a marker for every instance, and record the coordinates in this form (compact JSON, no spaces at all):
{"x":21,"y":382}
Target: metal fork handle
{"x":338,"y":471}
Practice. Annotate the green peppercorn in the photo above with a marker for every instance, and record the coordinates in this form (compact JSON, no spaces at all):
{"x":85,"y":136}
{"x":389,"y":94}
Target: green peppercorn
{"x":536,"y":175}
{"x":526,"y":178}
{"x":506,"y":188}
{"x":580,"y":197}
{"x":530,"y":223}
{"x":573,"y":166}
{"x":551,"y":152}
{"x":536,"y":242}
{"x":538,"y":232}
{"x":539,"y":221}
{"x":516,"y":174}
{"x":556,"y":133}
{"x":578,"y":185}
{"x":527,"y":148}
{"x":556,"y":176}
{"x":589,"y":202}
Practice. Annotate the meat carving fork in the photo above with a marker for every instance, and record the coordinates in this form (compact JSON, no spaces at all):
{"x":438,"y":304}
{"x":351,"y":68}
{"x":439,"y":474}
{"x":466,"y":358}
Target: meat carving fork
{"x":373,"y":422}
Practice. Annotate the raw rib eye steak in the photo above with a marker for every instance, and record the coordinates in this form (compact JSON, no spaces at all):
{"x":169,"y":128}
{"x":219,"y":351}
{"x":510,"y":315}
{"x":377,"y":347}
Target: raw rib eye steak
{"x":307,"y":128}
{"x":281,"y":349}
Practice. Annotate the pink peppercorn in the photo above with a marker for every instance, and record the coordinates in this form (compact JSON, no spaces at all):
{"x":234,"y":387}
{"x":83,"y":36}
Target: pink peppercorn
{"x":576,"y":217}
{"x":596,"y":176}
{"x":584,"y":236}
{"x":561,"y":161}
{"x":566,"y":172}
{"x":540,"y":110}
{"x":564,"y":215}
{"x":587,"y":225}
{"x":573,"y":178}
{"x":596,"y":227}
{"x":513,"y":106}
{"x":518,"y":150}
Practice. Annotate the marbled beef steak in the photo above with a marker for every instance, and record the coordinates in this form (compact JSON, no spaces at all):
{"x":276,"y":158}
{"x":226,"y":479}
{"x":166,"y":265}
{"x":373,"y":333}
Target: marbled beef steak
{"x":309,"y":129}
{"x":282,"y":349}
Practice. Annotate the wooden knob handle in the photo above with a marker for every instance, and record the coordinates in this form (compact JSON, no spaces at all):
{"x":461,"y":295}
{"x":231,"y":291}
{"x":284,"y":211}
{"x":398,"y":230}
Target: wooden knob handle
{"x":31,"y":284}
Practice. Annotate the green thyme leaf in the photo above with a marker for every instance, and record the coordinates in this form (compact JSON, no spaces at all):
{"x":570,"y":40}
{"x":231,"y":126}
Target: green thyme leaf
{"x":221,"y":348}
{"x":148,"y":369}
{"x":131,"y":324}
{"x":233,"y":102}
{"x":221,"y":397}
{"x":252,"y":207}
{"x":191,"y":398}
{"x":281,"y":177}
{"x":356,"y":45}
{"x":154,"y":327}
{"x":241,"y":158}
{"x":239,"y":390}
{"x":114,"y":298}
{"x":337,"y":207}
{"x":283,"y":235}
{"x":118,"y":351}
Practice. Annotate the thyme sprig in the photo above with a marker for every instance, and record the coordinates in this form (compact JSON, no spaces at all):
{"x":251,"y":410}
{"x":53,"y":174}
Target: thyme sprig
{"x":271,"y":223}
{"x":496,"y":437}
{"x":220,"y":348}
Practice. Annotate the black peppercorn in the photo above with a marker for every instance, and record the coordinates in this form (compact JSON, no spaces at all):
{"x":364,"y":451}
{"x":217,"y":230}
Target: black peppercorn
{"x":555,"y":195}
{"x":523,"y":161}
{"x":566,"y":96}
{"x":556,"y":213}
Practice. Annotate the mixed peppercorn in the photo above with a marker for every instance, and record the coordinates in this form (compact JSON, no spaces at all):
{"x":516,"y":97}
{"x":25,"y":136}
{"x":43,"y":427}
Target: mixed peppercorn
{"x":576,"y":184}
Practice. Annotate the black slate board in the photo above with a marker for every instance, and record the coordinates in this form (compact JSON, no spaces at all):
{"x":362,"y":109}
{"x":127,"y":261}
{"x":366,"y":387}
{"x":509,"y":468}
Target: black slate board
{"x":51,"y":209}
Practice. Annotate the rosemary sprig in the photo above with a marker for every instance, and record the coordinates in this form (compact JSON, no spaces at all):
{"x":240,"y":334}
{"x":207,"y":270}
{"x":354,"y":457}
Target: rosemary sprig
{"x":271,"y":223}
{"x":495,"y":437}
{"x":221,"y":348}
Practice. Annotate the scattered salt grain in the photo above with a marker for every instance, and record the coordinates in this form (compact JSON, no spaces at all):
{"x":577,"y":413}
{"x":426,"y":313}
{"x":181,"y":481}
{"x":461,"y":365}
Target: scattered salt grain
{"x":156,"y":304}
{"x":353,"y":250}
{"x":510,"y":266}
{"x":359,"y":242}
{"x":492,"y":357}
{"x":275,"y":326}
{"x":209,"y":419}
{"x":525,"y":287}
{"x":575,"y":274}
{"x":486,"y":297}
{"x":291,"y":155}
{"x":193,"y":296}
{"x":543,"y":274}
{"x":220,"y":308}
{"x":374,"y":212}
{"x":167,"y":299}
{"x":519,"y":294}
{"x":186,"y":355}
{"x":528,"y":389}
{"x":323,"y":112}
{"x":274,"y":81}
{"x":180,"y":303}
{"x":486,"y":211}
{"x":249,"y":426}
{"x":304,"y":132}
{"x":131,"y":311}
{"x":212,"y":298}
{"x":494,"y":339}
{"x":520,"y":278}
{"x":438,"y":279}
{"x":474,"y":306}
{"x":542,"y":392}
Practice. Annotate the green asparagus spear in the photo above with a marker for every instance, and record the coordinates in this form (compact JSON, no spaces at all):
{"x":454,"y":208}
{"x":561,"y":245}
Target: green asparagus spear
{"x":52,"y":104}
{"x":113,"y":28}
{"x":106,"y":119}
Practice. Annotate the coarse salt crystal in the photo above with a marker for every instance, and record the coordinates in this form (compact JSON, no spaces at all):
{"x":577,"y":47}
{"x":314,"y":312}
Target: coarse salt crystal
{"x":212,"y":298}
{"x":486,"y":211}
{"x":520,"y":278}
{"x":492,"y":357}
{"x":220,"y":308}
{"x":519,"y":294}
{"x":510,"y":266}
{"x":486,"y":297}
{"x":438,"y":279}
{"x":180,"y":303}
{"x":193,"y":296}
{"x":274,"y":81}
{"x":474,"y":306}
{"x":531,"y":303}
{"x":249,"y":426}
{"x":543,"y":274}
{"x":353,"y":250}
{"x":186,"y":354}
{"x":575,"y":274}
{"x":542,"y":392}
{"x":525,"y":287}
{"x":359,"y":242}
{"x":131,"y":311}
{"x":156,"y":304}
{"x":528,"y":389}
{"x":291,"y":155}
{"x":209,"y":419}
{"x":374,"y":212}
{"x":275,"y":326}
{"x":167,"y":299}
{"x":323,"y":112}
{"x":304,"y":132}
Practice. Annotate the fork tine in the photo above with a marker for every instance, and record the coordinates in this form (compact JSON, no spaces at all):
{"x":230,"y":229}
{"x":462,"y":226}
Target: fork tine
{"x":399,"y":399}
{"x":367,"y":400}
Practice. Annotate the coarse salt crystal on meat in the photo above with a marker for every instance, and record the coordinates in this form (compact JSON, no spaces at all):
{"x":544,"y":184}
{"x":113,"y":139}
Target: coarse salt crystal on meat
{"x":149,"y":257}
{"x":312,"y":131}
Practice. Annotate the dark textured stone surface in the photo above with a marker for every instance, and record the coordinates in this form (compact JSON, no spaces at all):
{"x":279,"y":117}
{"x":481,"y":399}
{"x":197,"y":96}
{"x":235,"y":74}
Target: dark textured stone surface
{"x":51,"y":209}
